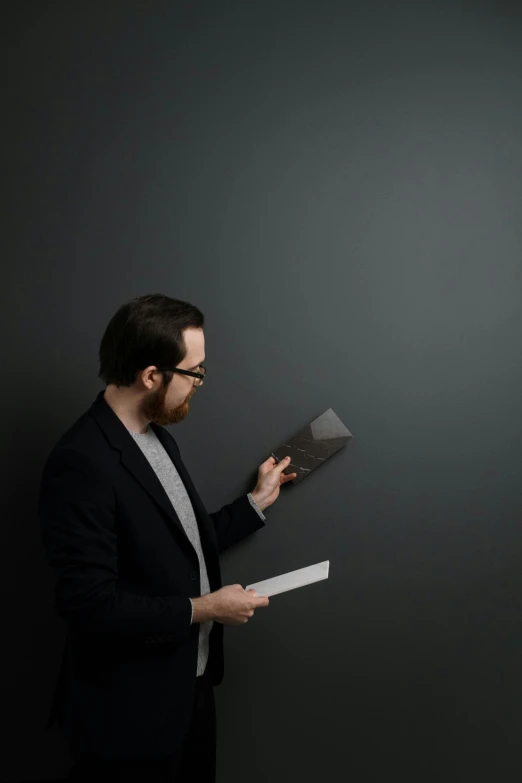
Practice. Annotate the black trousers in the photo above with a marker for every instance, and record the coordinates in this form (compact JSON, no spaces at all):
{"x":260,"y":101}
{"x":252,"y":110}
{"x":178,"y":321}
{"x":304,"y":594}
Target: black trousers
{"x":194,"y":762}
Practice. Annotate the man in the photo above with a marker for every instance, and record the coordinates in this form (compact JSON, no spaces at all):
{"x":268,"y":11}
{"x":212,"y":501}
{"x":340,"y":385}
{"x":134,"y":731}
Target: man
{"x":136,"y":557}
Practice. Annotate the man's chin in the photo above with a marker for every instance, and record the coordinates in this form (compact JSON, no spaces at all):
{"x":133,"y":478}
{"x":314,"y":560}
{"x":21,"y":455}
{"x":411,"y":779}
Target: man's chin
{"x":172,"y":417}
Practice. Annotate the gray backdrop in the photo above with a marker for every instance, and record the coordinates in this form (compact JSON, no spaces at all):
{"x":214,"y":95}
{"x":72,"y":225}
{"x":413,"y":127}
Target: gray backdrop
{"x":338,"y":187}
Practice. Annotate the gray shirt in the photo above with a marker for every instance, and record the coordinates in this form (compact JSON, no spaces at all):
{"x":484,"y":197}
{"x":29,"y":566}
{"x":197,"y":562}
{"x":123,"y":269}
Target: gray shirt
{"x":166,"y":472}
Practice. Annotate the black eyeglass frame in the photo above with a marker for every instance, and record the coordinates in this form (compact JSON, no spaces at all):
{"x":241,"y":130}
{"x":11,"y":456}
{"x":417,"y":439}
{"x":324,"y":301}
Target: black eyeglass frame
{"x":185,"y":372}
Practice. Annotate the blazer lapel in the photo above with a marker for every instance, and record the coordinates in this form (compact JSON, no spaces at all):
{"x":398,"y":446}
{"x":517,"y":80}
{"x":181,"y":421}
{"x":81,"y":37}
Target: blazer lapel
{"x":136,"y":463}
{"x":205,"y":523}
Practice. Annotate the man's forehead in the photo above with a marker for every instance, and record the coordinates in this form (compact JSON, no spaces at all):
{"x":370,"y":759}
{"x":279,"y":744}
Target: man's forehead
{"x":195,"y":345}
{"x":193,"y":338}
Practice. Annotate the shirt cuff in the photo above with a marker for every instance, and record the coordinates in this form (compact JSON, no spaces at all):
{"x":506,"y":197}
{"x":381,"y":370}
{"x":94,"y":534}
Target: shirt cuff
{"x":192,"y":610}
{"x":255,"y":506}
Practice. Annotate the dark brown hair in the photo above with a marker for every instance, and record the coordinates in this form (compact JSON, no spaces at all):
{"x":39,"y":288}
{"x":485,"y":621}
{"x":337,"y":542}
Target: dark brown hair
{"x":147,"y":330}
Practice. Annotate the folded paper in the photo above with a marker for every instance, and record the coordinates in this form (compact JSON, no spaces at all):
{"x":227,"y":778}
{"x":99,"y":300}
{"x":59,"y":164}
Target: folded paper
{"x":291,"y":580}
{"x":313,"y":444}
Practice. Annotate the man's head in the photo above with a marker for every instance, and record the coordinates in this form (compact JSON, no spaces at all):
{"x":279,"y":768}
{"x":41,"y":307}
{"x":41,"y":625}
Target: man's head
{"x":150,"y":332}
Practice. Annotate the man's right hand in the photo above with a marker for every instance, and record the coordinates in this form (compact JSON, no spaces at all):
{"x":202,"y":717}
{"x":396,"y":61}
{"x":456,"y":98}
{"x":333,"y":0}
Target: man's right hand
{"x":231,"y":605}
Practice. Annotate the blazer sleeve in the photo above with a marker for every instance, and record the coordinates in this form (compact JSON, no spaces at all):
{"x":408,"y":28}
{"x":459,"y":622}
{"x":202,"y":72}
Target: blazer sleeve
{"x":78,"y":525}
{"x":235,"y":521}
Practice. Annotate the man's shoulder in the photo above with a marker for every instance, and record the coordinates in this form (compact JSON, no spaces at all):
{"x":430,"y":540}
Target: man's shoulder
{"x":82,"y":438}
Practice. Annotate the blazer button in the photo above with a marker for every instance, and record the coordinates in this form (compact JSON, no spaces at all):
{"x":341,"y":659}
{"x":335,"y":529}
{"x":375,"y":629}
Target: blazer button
{"x":193,"y":575}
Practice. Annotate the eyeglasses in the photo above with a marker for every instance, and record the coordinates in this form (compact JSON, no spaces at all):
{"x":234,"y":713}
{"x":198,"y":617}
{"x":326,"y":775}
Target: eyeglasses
{"x":198,"y":375}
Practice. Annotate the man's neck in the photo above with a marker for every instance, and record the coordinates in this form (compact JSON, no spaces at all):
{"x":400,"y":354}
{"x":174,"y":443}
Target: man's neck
{"x":125,"y":404}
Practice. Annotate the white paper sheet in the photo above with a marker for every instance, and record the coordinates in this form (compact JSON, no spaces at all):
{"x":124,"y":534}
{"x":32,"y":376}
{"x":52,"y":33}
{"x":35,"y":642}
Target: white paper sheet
{"x":291,"y":580}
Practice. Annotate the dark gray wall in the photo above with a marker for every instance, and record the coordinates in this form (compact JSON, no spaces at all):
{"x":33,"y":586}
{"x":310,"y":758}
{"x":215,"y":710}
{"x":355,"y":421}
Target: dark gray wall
{"x":338,"y":187}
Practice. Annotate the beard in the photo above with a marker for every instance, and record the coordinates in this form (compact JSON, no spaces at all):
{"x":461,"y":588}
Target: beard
{"x":154,"y":409}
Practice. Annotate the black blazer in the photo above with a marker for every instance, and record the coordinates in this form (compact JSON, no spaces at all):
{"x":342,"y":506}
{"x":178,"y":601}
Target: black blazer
{"x":125,"y":571}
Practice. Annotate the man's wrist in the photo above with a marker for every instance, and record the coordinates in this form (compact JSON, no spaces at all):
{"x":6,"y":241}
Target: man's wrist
{"x":204,"y":608}
{"x":260,"y":503}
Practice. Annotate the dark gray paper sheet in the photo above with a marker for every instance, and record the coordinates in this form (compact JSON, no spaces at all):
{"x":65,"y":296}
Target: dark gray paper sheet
{"x":314,"y":444}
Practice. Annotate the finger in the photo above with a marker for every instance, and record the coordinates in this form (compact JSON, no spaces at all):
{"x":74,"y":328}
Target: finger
{"x":282,"y":465}
{"x":267,"y":465}
{"x":285,"y":477}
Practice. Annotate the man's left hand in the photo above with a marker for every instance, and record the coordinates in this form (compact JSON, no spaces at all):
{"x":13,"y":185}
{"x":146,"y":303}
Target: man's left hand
{"x":270,"y":478}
